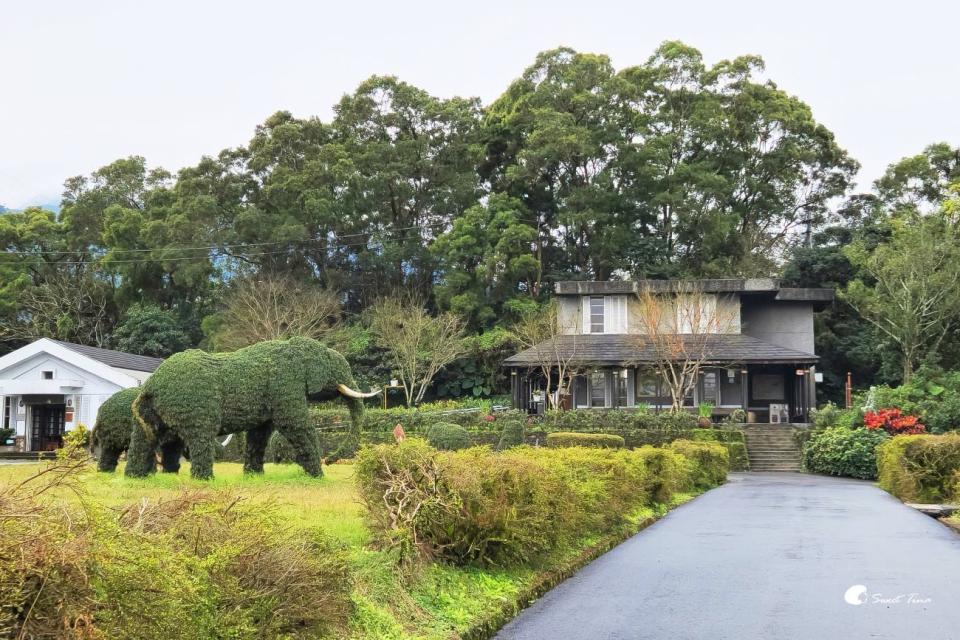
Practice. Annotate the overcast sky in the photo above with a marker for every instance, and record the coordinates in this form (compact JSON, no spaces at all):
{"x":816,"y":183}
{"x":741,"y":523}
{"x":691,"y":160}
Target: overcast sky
{"x":84,"y":83}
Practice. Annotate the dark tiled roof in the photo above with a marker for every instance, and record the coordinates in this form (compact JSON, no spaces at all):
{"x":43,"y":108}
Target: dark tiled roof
{"x":117,"y":359}
{"x":716,"y":285}
{"x":625,"y":350}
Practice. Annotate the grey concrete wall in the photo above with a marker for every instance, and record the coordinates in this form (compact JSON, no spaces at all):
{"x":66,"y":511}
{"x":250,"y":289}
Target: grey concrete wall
{"x":571,"y":316}
{"x":786,"y":324}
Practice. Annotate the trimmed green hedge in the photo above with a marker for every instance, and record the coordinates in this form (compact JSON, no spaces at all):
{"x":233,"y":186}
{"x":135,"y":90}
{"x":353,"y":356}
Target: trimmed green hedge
{"x":414,"y":421}
{"x":602,"y":440}
{"x":447,"y":436}
{"x":709,"y":462}
{"x":477,"y":506}
{"x":738,"y":456}
{"x":921,"y":468}
{"x":842,"y":451}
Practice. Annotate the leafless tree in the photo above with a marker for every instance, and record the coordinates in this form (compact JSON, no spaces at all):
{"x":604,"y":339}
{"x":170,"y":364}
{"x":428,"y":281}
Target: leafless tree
{"x":71,"y":306}
{"x":555,"y":347}
{"x":419,"y":345}
{"x":676,"y":323}
{"x":274,"y":307}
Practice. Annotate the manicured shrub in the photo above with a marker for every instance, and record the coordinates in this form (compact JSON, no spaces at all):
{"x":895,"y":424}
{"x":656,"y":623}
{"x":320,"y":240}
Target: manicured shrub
{"x":514,"y":434}
{"x":667,"y":472}
{"x":839,"y":451}
{"x":478,"y":506}
{"x":920,"y":468}
{"x":448,"y":437}
{"x":709,"y":462}
{"x":602,"y":440}
{"x":739,"y":458}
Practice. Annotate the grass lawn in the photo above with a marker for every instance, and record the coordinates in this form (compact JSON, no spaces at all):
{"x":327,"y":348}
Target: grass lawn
{"x":439,"y":601}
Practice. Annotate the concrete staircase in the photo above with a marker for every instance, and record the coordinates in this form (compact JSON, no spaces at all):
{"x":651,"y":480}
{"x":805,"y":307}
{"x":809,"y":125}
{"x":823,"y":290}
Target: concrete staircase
{"x":772,"y":447}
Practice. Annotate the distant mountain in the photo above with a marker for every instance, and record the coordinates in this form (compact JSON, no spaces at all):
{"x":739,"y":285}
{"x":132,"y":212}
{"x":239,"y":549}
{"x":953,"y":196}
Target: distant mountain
{"x":49,"y":206}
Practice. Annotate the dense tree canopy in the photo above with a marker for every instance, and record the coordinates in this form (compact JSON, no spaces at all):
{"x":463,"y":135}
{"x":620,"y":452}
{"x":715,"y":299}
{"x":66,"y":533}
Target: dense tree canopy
{"x":670,"y":168}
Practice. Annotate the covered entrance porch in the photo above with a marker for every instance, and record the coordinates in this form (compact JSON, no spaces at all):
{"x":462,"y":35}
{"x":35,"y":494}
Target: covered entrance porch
{"x":766,"y":393}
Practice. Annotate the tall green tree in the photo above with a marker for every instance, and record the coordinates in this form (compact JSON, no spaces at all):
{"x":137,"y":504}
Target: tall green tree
{"x":909,"y":291}
{"x":487,"y":263}
{"x":414,"y":160}
{"x":922,"y":182}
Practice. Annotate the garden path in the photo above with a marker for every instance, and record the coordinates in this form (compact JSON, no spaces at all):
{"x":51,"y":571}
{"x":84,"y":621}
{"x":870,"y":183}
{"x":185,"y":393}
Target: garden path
{"x":775,"y":555}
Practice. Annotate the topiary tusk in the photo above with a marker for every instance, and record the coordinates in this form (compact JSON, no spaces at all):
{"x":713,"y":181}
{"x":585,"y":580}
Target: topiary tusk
{"x":351,"y":393}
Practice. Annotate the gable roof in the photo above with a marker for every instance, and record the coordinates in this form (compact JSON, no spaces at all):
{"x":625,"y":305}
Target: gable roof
{"x":118,"y":359}
{"x":628,"y":350}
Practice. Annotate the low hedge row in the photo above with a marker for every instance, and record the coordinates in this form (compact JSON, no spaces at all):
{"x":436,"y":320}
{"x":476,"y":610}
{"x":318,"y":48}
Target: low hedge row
{"x":477,"y":506}
{"x":573,"y":439}
{"x":414,"y":421}
{"x":921,"y":468}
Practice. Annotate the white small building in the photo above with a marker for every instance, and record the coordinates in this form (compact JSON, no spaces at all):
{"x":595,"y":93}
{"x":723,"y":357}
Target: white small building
{"x":48,"y":387}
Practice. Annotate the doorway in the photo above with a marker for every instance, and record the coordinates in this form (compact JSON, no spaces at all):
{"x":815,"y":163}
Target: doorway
{"x":47,"y":426}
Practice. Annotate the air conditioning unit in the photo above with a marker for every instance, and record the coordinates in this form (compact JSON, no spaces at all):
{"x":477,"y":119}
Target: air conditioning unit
{"x":779,"y":413}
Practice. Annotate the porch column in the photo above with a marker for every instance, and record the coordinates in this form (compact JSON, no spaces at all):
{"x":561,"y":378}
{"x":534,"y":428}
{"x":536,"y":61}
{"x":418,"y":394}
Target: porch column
{"x":744,"y":388}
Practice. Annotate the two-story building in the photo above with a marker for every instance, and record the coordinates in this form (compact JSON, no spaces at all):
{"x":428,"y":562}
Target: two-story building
{"x":760,"y":358}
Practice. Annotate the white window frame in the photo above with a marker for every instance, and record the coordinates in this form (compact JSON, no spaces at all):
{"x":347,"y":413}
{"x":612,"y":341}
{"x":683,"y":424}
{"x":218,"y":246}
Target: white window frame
{"x":603,"y":313}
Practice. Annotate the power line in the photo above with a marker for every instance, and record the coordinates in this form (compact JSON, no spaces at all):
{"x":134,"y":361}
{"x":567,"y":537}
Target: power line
{"x":217,"y":247}
{"x":103,"y":260}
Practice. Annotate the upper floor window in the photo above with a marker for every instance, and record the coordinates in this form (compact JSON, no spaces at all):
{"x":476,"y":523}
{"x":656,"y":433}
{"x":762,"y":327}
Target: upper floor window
{"x":596,"y":314}
{"x":47,"y":375}
{"x":604,"y":314}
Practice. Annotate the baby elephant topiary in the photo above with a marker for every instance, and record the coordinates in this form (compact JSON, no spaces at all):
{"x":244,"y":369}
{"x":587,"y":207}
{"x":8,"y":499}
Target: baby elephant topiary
{"x":198,"y":396}
{"x":114,"y":428}
{"x":448,"y":436}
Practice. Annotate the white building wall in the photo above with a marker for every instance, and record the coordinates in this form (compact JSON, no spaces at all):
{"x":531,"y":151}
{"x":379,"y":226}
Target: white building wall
{"x":86,"y":398}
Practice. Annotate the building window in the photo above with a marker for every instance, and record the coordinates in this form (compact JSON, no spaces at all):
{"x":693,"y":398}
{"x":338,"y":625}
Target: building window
{"x":710,"y":390}
{"x":47,"y":375}
{"x":596,"y":314}
{"x":598,"y":390}
{"x":7,"y":406}
{"x":731,"y":388}
{"x":580,"y":397}
{"x":620,"y":380}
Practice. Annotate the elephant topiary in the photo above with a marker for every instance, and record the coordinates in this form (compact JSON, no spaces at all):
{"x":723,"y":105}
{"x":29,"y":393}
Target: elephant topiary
{"x":112,"y":432}
{"x":196,"y":396}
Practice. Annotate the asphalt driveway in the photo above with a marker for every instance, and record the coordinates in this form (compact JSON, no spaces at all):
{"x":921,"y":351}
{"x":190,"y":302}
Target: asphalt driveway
{"x":766,"y":556}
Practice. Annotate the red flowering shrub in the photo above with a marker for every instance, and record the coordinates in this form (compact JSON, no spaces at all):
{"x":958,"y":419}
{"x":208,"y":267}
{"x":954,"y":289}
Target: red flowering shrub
{"x":893,"y":421}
